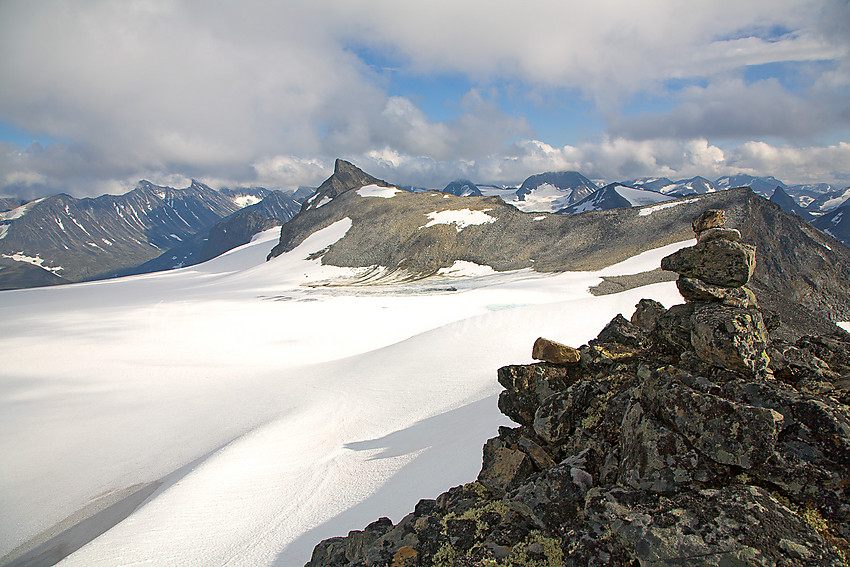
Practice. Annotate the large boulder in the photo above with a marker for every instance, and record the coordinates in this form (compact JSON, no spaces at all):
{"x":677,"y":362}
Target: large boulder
{"x":731,"y":337}
{"x":718,"y":262}
{"x":726,"y":432}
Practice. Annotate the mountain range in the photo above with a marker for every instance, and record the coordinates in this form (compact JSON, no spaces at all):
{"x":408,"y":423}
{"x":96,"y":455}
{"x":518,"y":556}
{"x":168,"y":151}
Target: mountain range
{"x":401,"y":236}
{"x":616,"y":196}
{"x":242,"y":410}
{"x":60,"y":239}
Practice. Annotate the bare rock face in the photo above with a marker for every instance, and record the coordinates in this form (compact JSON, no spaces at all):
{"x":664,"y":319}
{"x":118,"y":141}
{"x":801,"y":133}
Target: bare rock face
{"x":681,"y":437}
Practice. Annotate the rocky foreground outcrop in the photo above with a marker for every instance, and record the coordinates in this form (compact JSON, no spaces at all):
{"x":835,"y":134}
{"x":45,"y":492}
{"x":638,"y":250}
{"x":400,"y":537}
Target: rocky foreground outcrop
{"x":681,"y":437}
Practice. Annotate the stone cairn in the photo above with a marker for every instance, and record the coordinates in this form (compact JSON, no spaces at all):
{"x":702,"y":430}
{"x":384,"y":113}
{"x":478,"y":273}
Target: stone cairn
{"x":727,"y":328}
{"x":671,"y":439}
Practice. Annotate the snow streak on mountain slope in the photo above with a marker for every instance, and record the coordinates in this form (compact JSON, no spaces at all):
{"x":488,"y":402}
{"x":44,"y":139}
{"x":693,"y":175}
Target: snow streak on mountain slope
{"x":543,"y":198}
{"x":272,"y":414}
{"x":615,"y":196}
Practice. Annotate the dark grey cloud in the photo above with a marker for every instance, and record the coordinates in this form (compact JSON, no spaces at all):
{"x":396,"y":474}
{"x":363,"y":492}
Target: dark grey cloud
{"x":733,"y":109}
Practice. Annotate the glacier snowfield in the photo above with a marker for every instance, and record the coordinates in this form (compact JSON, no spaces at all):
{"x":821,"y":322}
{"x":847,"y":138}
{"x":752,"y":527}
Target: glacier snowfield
{"x":239,"y":411}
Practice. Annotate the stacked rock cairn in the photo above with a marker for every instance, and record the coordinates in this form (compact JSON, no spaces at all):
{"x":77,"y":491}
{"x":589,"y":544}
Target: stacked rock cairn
{"x":671,"y":439}
{"x":727,"y":328}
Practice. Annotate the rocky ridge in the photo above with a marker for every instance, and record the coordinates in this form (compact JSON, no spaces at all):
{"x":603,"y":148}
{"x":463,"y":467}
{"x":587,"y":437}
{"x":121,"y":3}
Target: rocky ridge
{"x":683,"y":436}
{"x":802,"y":275}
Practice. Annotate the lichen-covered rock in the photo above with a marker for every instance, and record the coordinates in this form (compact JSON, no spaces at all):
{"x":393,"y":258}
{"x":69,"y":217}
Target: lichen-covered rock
{"x":652,"y":456}
{"x":736,"y":525}
{"x":503,"y":468}
{"x":554,"y":352}
{"x":726,"y":432}
{"x":731,"y":337}
{"x":718,"y":262}
{"x":719,"y":232}
{"x":552,"y":498}
{"x":621,"y":331}
{"x":673,"y":328}
{"x":646,"y":314}
{"x":527,"y":386}
{"x":695,"y":290}
{"x":559,"y":414}
{"x":712,"y":218}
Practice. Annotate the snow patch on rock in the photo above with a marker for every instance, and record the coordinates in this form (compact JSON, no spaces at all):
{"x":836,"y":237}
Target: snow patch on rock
{"x":376,"y":191}
{"x":461,"y":218}
{"x":650,"y":210}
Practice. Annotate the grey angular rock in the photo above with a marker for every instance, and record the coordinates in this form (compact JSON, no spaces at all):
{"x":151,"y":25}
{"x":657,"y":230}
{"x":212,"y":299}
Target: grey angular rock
{"x":695,"y":290}
{"x":717,"y":262}
{"x":527,"y":386}
{"x":731,"y":337}
{"x":654,"y":457}
{"x":712,"y":218}
{"x":503,"y":468}
{"x":737,"y":525}
{"x":673,"y":328}
{"x":559,"y":414}
{"x":719,"y":232}
{"x":726,"y":432}
{"x":646,"y":314}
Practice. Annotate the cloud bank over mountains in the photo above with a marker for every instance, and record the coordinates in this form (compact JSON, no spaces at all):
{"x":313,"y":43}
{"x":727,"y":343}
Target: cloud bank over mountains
{"x":269,"y":93}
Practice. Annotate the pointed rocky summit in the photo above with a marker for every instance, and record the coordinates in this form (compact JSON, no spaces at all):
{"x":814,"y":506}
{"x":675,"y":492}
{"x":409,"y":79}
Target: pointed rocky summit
{"x":346,"y":177}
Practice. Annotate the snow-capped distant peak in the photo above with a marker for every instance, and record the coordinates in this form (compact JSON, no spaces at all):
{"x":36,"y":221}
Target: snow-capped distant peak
{"x":19,"y":212}
{"x":640,"y":197}
{"x":246,"y":200}
{"x":615,"y":196}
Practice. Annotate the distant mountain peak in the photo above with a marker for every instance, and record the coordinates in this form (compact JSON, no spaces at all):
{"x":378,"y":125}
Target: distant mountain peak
{"x":788,"y":204}
{"x":346,"y":176}
{"x":462,"y":188}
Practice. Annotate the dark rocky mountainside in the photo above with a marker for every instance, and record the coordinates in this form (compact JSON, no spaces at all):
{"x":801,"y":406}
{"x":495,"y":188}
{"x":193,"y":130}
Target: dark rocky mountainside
{"x":680,"y":188}
{"x":234,"y":230}
{"x":84,"y":239}
{"x":789,"y":205}
{"x":17,"y":275}
{"x":684,"y":436}
{"x":829,"y":200}
{"x":763,"y":186}
{"x":801,"y":273}
{"x":462,"y":188}
{"x":9,"y":203}
{"x":836,"y":223}
{"x":573,"y":183}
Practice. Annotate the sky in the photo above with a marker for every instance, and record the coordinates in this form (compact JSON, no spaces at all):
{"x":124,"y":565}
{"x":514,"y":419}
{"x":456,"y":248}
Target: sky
{"x":96,"y":95}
